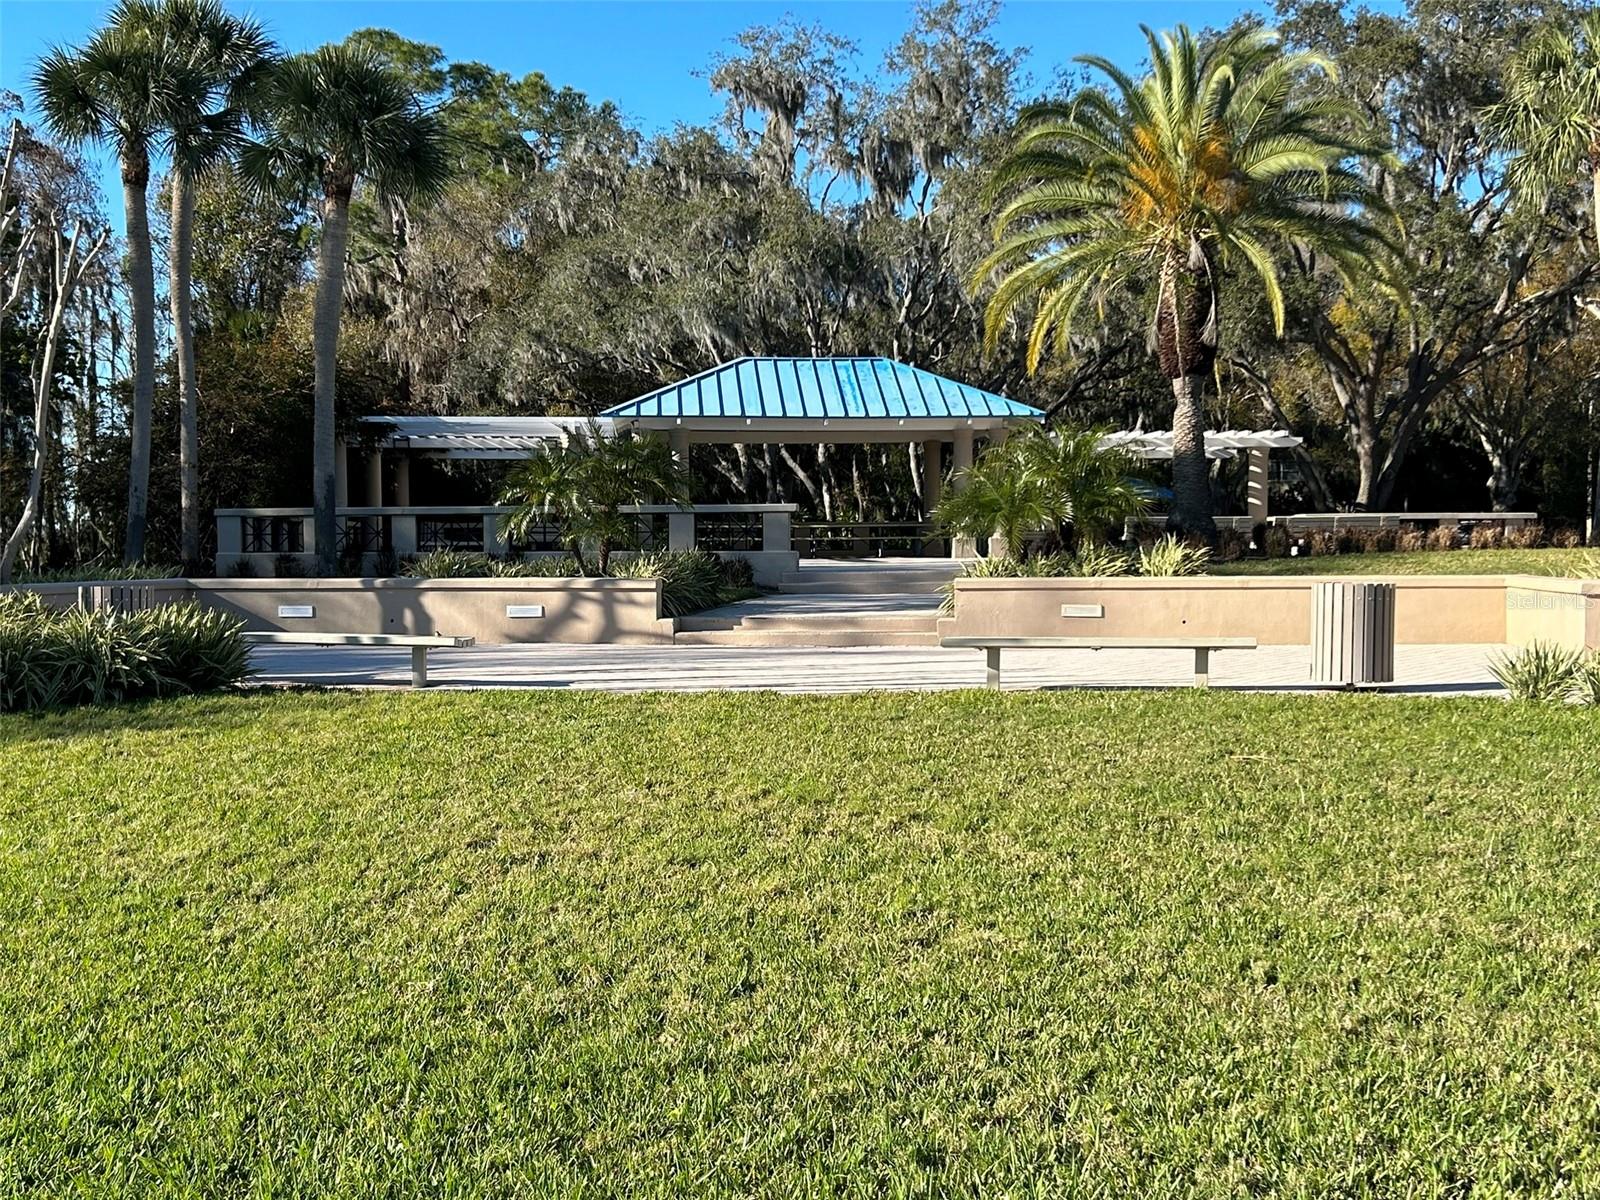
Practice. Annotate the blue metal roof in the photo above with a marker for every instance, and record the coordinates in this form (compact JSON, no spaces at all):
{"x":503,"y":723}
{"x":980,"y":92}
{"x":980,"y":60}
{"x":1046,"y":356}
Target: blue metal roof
{"x":820,"y":389}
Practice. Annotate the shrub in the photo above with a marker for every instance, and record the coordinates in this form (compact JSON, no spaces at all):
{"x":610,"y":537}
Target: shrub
{"x":448,"y":564}
{"x":472,"y":564}
{"x":195,"y":649}
{"x":1170,"y":557}
{"x":1566,"y":538}
{"x":1323,"y":541}
{"x":1231,"y":544}
{"x":691,"y":580}
{"x":738,"y":575}
{"x":1098,"y":561}
{"x":51,"y":658}
{"x":94,"y":572}
{"x":1410,"y":540}
{"x":1377,"y":539}
{"x":561,"y":566}
{"x":1486,"y":537}
{"x":1278,"y":541}
{"x":1586,"y":686}
{"x":1526,"y":537}
{"x":1442,"y":537}
{"x":1540,"y":672}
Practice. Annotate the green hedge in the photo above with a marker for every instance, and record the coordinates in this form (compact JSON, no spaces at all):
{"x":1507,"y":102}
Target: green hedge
{"x":52,"y":658}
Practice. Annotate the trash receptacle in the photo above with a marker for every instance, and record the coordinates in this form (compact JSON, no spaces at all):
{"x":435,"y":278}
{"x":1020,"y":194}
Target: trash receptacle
{"x":1352,"y":633}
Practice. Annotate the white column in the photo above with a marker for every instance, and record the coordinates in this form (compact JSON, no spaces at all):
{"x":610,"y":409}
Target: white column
{"x":678,"y":439}
{"x":402,"y":480}
{"x":375,"y":479}
{"x":961,"y":450}
{"x":680,"y":530}
{"x":960,"y":460}
{"x":997,"y":543}
{"x":932,"y":474}
{"x":777,"y":532}
{"x":403,"y":534}
{"x":230,"y":541}
{"x":1256,"y":485}
{"x":494,"y":538}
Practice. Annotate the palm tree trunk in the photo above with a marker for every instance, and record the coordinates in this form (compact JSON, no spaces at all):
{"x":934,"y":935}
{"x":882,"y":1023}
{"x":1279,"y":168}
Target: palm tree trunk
{"x":325,"y":346}
{"x":142,"y":302}
{"x":180,"y":261}
{"x":1191,"y":473}
{"x":1594,"y":182}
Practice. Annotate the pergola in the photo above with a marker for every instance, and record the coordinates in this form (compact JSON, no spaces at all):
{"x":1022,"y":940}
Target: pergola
{"x":787,"y":400}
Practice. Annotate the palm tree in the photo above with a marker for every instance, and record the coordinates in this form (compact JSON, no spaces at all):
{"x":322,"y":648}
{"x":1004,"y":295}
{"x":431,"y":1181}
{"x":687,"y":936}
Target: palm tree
{"x":123,"y":88}
{"x":997,"y":496}
{"x":229,"y":56}
{"x":1223,"y":153}
{"x":1043,"y":480}
{"x":1550,"y":117}
{"x":1550,"y":121}
{"x":584,"y":484}
{"x":1096,"y":485}
{"x":339,"y":117}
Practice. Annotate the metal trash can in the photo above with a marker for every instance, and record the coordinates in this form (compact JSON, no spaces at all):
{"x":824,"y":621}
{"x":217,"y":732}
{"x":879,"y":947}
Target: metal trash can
{"x":1352,"y":633}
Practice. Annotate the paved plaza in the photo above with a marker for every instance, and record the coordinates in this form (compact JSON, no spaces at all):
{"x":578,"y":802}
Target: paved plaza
{"x":1436,"y":670}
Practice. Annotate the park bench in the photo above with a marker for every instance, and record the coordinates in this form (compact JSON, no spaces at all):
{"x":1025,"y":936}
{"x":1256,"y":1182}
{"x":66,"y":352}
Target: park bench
{"x":420,"y":644}
{"x":1202,"y":647}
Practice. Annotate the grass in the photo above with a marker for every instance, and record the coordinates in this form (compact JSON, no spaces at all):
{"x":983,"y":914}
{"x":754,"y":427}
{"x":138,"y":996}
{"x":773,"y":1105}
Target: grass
{"x":1577,"y":562}
{"x":1090,"y":944}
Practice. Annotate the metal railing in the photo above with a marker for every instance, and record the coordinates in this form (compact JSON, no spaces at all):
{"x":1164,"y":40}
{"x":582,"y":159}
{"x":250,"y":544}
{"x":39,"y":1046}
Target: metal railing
{"x":257,"y":538}
{"x":868,"y":539}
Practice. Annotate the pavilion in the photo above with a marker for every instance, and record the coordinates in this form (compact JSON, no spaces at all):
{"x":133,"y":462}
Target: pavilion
{"x":749,"y":401}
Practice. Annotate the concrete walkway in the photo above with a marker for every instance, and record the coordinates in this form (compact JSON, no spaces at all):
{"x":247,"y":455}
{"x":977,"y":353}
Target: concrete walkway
{"x":1431,"y":670}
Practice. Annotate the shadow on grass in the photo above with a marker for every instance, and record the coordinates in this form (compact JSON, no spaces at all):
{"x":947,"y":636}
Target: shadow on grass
{"x":231,"y":710}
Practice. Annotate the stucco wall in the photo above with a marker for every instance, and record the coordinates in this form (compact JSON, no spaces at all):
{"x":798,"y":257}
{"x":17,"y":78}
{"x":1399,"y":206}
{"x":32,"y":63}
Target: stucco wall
{"x":1275,"y":610}
{"x":1564,"y":611}
{"x":625,"y":611}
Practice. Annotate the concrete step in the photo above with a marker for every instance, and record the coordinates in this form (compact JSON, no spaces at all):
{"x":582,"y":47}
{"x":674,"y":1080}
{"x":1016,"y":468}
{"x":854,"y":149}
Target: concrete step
{"x":804,"y":637}
{"x":881,"y":583}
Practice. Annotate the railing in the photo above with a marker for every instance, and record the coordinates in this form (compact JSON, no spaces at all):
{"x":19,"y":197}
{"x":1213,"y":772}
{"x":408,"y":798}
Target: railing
{"x":869,"y":539}
{"x":260,"y":538}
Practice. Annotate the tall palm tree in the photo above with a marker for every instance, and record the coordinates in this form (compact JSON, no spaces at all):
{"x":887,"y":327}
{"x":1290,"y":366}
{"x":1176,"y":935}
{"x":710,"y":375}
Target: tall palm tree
{"x":229,"y":57}
{"x":123,"y":89}
{"x":1550,"y":116}
{"x":339,"y":116}
{"x":1225,"y":152}
{"x":1550,"y":121}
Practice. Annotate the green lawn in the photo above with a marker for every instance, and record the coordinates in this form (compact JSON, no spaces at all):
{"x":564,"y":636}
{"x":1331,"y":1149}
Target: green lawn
{"x":1080,"y":944}
{"x":1439,"y":562}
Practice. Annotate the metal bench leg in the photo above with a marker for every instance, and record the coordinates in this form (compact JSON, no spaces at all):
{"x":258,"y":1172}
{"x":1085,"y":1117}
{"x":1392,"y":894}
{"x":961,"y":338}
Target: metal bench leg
{"x":991,"y":674}
{"x":419,"y":666}
{"x":1202,"y":666}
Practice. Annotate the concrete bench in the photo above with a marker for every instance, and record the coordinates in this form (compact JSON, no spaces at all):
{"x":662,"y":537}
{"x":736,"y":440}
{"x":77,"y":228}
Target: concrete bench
{"x":419,"y":644}
{"x":1202,"y":648}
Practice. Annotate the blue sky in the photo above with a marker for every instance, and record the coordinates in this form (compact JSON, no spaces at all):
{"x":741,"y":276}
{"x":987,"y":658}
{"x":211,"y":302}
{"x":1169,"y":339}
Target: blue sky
{"x":643,"y":56}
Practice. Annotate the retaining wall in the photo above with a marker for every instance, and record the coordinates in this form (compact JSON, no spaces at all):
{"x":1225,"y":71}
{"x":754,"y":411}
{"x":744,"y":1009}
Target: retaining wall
{"x":621,"y":611}
{"x":1276,"y":610}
